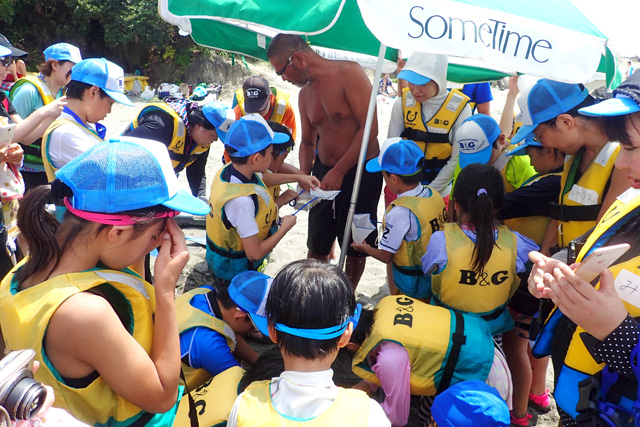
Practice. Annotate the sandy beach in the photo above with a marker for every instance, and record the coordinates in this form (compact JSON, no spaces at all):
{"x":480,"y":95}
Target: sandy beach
{"x":372,"y":286}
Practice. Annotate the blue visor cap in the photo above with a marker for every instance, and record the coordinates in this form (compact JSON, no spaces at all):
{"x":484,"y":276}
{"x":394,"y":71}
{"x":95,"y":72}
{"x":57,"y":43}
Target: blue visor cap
{"x":521,"y":150}
{"x":251,"y":134}
{"x":63,"y":52}
{"x":249,"y":290}
{"x":545,"y":100}
{"x":626,"y":100}
{"x":413,"y":77}
{"x":398,"y":156}
{"x":324,"y":333}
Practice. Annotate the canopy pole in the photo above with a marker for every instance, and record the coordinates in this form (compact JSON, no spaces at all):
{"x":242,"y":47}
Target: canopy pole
{"x":363,"y":153}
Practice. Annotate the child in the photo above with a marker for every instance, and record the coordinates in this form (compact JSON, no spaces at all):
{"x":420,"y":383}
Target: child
{"x":32,"y":92}
{"x":470,"y":404}
{"x":409,"y":348}
{"x":280,"y":172}
{"x":212,"y":323}
{"x":240,"y":224}
{"x":95,"y":85}
{"x":473,"y":264}
{"x":480,"y":140}
{"x":311,"y":310}
{"x":107,"y":341}
{"x":409,"y":220}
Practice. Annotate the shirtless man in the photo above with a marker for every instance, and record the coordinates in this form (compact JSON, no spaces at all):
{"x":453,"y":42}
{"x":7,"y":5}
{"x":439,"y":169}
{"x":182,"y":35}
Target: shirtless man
{"x":333,"y":106}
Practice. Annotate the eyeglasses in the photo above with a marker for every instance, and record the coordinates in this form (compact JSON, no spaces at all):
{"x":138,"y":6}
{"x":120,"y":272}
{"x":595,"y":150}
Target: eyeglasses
{"x":6,"y":60}
{"x":538,"y":138}
{"x":279,"y":73}
{"x":289,"y":149}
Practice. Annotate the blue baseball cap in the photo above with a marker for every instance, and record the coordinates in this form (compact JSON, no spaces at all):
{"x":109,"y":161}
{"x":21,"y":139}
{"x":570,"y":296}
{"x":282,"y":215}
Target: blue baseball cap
{"x":63,"y":52}
{"x":102,"y":73}
{"x":220,"y":116}
{"x":470,"y":404}
{"x":544,"y":101}
{"x":475,"y":138}
{"x":398,"y":156}
{"x":5,"y":51}
{"x":520,"y":150}
{"x":251,"y":134}
{"x":127,"y":174}
{"x":626,"y":100}
{"x":249,"y":290}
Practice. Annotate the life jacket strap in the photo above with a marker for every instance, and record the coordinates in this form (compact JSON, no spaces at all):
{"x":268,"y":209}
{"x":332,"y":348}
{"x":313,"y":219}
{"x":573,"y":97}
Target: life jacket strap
{"x":458,"y":340}
{"x":566,"y":213}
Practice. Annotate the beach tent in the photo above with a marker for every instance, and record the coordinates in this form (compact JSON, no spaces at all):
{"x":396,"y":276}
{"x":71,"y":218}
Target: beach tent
{"x":545,"y":38}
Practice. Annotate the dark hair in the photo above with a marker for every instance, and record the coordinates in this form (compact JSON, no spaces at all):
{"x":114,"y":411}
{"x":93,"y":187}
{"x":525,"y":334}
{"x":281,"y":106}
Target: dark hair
{"x":309,"y":294}
{"x":245,"y":159}
{"x":556,"y":153}
{"x":75,"y":90}
{"x":479,"y":191}
{"x":283,"y":45}
{"x":223,"y":297}
{"x":46,"y":68}
{"x":195,"y":116}
{"x":280,"y":148}
{"x":47,"y":239}
{"x":364,"y":327}
{"x":270,"y":364}
{"x":616,"y":128}
{"x":416,"y":178}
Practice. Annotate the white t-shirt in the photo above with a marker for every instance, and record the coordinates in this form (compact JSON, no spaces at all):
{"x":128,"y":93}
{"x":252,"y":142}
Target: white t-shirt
{"x":241,"y":213}
{"x":400,"y":223}
{"x":307,"y":395}
{"x":68,"y":141}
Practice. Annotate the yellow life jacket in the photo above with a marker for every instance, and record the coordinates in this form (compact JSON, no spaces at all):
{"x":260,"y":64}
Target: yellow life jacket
{"x":350,"y":408}
{"x":32,"y":152}
{"x":213,"y":400}
{"x":515,"y":170}
{"x":181,"y":154}
{"x":279,"y":107}
{"x":579,"y":365}
{"x":190,"y":317}
{"x":274,"y":190}
{"x":407,"y":269}
{"x":433,"y":138}
{"x":225,"y":251}
{"x":458,"y":287}
{"x":25,"y":315}
{"x":581,"y":201}
{"x":46,"y":157}
{"x":444,"y":347}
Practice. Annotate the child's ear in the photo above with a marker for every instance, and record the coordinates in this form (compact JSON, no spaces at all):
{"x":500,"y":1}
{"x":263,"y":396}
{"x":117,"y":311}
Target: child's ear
{"x":272,"y":334}
{"x":346,"y":336}
{"x":119,"y":231}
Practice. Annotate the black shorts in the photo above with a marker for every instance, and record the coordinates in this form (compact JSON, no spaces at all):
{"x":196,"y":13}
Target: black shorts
{"x":328,"y":218}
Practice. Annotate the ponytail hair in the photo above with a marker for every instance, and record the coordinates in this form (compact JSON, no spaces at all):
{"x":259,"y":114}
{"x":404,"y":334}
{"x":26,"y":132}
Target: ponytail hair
{"x":479,"y":192}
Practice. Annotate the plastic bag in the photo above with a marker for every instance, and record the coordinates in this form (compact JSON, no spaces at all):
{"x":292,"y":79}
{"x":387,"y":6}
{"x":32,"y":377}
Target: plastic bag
{"x":361,"y":227}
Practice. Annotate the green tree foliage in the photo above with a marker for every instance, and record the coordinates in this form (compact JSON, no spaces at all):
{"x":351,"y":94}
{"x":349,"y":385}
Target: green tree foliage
{"x":128,"y":32}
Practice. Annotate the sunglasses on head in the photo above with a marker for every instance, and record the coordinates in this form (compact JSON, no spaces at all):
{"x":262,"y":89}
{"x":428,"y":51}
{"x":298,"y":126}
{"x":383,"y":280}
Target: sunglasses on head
{"x":6,"y":60}
{"x":284,"y":150}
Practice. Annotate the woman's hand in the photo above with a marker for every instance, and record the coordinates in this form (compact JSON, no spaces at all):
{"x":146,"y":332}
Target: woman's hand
{"x":172,"y":257}
{"x":598,"y":311}
{"x":12,"y":153}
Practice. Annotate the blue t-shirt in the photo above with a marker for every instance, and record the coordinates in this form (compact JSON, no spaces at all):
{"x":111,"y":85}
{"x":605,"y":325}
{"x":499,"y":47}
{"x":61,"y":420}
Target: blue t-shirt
{"x":478,"y":92}
{"x":204,"y":347}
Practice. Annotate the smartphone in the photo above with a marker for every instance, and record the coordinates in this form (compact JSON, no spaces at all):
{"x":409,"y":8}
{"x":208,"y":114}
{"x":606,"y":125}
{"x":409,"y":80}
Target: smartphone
{"x":599,"y":260}
{"x":6,"y":134}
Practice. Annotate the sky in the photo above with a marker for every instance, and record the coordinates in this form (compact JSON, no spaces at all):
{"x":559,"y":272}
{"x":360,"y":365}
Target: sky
{"x":617,"y":19}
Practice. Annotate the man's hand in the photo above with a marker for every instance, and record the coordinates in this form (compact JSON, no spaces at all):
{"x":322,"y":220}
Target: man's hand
{"x":332,"y":180}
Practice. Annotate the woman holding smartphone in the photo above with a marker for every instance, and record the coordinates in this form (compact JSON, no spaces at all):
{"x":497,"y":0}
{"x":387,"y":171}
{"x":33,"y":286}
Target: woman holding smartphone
{"x":593,"y":335}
